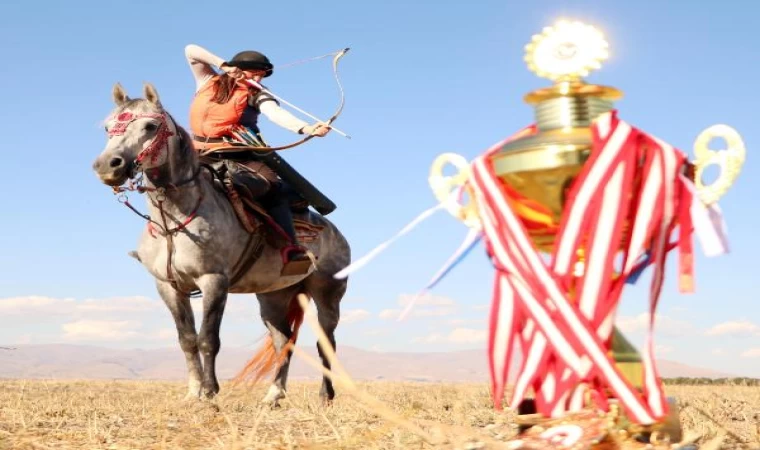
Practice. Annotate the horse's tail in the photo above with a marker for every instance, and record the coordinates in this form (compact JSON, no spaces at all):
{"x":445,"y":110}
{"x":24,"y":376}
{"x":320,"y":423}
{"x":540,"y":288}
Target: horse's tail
{"x":266,"y":359}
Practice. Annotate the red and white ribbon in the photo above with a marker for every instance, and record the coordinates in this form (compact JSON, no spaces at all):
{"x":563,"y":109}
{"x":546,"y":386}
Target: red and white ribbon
{"x":630,"y":178}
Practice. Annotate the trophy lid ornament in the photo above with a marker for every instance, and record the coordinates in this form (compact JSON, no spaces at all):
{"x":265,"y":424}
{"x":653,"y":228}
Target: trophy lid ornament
{"x":566,"y":51}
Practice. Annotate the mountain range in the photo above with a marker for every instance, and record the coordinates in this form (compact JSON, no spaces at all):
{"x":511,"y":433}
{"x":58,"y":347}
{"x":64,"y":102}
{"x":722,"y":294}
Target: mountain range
{"x":65,"y":361}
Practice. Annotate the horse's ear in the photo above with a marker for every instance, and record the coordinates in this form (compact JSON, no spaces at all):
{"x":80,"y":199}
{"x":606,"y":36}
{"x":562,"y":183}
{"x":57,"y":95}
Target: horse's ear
{"x":119,"y":94}
{"x":150,"y":94}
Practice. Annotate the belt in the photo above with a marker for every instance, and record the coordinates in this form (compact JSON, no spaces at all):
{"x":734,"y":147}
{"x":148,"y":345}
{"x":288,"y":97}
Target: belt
{"x":210,"y":140}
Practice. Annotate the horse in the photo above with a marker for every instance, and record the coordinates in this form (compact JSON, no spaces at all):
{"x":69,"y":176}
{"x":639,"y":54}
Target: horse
{"x":208,"y":250}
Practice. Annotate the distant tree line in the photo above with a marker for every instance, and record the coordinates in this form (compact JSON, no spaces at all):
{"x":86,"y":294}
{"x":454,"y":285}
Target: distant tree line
{"x":737,"y":381}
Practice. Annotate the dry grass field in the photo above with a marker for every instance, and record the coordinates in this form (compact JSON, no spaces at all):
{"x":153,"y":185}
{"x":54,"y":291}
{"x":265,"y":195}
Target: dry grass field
{"x":151,"y":415}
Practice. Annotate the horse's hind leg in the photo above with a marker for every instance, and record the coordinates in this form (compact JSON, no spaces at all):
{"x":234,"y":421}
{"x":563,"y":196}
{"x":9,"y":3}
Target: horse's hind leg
{"x":182,"y":312}
{"x":278,"y":311}
{"x":327,"y":293}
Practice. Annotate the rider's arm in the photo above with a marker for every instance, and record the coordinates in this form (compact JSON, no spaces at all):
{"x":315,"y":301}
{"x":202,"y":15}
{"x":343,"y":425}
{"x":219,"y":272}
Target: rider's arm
{"x":201,"y":63}
{"x":272,"y":110}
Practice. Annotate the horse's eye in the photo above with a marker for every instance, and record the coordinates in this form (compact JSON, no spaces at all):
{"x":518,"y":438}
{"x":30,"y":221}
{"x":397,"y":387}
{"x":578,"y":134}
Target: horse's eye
{"x":151,"y":126}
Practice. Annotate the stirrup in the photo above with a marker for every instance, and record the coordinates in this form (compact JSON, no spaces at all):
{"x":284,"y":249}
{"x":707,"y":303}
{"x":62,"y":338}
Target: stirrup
{"x":299,"y":266}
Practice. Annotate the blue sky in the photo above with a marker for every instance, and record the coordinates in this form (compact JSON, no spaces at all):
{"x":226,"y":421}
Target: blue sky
{"x":422,"y":78}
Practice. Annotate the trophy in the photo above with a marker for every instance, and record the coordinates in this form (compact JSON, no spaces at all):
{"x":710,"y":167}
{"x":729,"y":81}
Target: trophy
{"x":539,"y":184}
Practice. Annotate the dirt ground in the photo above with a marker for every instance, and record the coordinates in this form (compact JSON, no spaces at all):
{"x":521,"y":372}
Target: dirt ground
{"x":152,"y":415}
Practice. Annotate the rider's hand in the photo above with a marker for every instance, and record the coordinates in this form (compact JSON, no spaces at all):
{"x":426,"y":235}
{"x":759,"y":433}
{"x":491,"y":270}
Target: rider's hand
{"x":318,"y":129}
{"x":233,"y":71}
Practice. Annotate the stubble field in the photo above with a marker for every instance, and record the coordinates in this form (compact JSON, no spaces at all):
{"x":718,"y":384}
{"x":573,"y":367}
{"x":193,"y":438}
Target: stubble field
{"x":152,"y":415}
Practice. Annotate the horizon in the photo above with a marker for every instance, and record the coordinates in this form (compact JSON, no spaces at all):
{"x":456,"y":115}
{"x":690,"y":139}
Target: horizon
{"x":421,"y":79}
{"x":167,"y":363}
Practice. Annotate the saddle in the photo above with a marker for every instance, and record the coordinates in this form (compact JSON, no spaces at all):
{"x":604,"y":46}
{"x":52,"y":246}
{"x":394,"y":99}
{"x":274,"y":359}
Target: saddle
{"x":243,"y":187}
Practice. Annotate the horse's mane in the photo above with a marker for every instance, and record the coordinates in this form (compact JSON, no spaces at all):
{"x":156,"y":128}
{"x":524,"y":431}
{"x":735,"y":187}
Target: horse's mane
{"x":186,"y":139}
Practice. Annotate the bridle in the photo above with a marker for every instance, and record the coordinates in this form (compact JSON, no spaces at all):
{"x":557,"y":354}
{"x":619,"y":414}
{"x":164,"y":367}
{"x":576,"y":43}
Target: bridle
{"x":151,"y":153}
{"x":159,"y":142}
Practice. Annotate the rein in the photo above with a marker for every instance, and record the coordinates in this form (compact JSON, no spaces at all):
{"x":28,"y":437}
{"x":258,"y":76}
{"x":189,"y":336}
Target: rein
{"x":158,"y":203}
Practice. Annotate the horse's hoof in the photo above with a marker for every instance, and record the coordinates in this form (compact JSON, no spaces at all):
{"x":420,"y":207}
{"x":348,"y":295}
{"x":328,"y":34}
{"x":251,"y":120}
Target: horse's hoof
{"x":271,"y":403}
{"x":208,"y":394}
{"x":326,"y":396}
{"x":273,"y":397}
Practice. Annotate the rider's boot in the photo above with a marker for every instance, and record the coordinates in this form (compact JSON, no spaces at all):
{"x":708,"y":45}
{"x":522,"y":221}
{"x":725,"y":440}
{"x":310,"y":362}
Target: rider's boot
{"x":295,"y":258}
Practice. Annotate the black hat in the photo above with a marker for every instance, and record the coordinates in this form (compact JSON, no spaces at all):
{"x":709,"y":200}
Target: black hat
{"x":252,"y":60}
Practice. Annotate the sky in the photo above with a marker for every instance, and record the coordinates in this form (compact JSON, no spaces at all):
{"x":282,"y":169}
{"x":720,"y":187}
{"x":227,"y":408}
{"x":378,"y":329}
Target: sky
{"x":422,"y":78}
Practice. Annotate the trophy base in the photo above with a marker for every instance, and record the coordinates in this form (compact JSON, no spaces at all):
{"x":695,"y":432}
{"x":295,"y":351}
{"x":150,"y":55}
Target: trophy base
{"x":604,"y":431}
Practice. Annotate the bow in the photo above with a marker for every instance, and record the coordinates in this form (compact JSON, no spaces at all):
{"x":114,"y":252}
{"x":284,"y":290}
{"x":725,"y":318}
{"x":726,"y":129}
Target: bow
{"x":335,"y":115}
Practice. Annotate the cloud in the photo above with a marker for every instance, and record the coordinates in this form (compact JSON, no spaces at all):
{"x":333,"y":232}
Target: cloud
{"x":425,"y":306}
{"x":354,"y":316}
{"x":31,"y":305}
{"x":663,"y":325}
{"x":389,"y":313}
{"x":430,"y":339}
{"x":35,"y":305}
{"x":751,"y":353}
{"x":456,"y":336}
{"x":118,"y":321}
{"x":467,"y":335}
{"x":120,"y":304}
{"x":240,"y":309}
{"x":101,"y":330}
{"x":455,"y":322}
{"x":166,"y":333}
{"x":34,"y":338}
{"x":430,"y":312}
{"x":123,"y":320}
{"x":739,"y":329}
{"x":425,"y":300}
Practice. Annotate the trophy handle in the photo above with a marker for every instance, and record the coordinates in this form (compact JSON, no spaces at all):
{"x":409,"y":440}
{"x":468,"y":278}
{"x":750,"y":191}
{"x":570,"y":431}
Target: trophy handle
{"x":443,"y":186}
{"x":729,"y":160}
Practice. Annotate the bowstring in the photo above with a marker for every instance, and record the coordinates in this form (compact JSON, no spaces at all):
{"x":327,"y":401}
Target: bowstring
{"x":305,"y":60}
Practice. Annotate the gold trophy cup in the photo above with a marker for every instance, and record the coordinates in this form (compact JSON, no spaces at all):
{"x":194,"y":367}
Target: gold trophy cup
{"x":543,"y":165}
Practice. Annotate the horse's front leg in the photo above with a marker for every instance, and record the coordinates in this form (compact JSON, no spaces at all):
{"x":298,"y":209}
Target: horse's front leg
{"x":214,"y":288}
{"x":182,"y":312}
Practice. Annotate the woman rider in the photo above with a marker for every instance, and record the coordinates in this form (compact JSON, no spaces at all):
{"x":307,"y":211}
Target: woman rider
{"x":223,"y":102}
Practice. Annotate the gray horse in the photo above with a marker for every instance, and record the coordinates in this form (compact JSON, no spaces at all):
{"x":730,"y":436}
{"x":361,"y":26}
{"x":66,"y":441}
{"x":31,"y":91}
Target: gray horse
{"x":195,"y":241}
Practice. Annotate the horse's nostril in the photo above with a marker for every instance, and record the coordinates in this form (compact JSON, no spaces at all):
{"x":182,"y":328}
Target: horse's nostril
{"x":116,"y":162}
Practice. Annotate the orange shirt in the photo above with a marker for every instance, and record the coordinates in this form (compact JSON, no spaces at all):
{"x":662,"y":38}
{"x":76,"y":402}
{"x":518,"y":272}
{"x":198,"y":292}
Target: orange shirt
{"x":210,"y":119}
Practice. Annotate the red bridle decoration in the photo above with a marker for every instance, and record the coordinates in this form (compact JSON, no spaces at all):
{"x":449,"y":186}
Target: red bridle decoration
{"x":153,"y":150}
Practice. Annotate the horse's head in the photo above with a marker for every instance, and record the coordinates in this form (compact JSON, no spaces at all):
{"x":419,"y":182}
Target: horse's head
{"x":138,"y":136}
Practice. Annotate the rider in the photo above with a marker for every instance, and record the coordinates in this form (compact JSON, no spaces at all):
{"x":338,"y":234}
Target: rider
{"x":223,"y":101}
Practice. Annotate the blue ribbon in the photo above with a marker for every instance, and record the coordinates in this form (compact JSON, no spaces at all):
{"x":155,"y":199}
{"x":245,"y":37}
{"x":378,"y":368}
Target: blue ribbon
{"x":633,"y":278}
{"x":473,"y":237}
